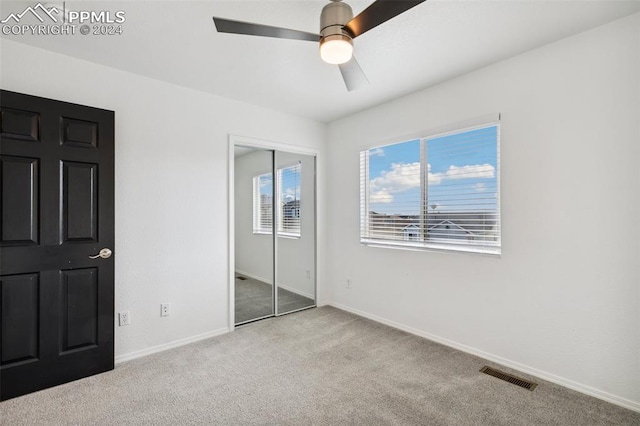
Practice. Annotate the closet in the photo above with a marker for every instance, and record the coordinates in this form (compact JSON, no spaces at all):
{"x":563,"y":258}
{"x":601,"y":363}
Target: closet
{"x":274,"y":233}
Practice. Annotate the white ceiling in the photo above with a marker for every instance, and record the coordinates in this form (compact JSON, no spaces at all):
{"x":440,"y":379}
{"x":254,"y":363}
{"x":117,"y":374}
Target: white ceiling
{"x":176,"y":41}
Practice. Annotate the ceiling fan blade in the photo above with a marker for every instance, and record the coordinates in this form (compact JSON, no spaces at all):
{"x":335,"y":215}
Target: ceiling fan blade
{"x":352,"y":74}
{"x":248,"y":28}
{"x":378,"y":13}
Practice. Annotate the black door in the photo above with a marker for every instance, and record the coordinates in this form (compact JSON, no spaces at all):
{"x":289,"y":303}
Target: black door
{"x":57,"y":210}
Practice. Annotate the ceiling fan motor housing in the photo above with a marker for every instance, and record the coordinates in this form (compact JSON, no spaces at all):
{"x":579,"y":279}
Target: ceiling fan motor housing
{"x":334,"y":17}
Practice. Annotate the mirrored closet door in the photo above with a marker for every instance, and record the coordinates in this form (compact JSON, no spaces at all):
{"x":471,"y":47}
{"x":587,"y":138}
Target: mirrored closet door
{"x":254,"y":240}
{"x":296,"y":242}
{"x":275,"y":233}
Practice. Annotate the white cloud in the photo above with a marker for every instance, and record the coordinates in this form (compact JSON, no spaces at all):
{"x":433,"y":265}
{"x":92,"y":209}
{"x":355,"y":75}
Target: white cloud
{"x":381,"y":196}
{"x":401,"y":177}
{"x":376,"y":152}
{"x":292,"y":191}
{"x":405,"y":176}
{"x":480,"y":187}
{"x":289,"y":194}
{"x":433,"y":178}
{"x":467,"y":172}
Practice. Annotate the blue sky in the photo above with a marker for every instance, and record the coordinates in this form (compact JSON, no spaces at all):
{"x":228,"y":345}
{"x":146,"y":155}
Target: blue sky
{"x":462,"y":174}
{"x":290,"y":185}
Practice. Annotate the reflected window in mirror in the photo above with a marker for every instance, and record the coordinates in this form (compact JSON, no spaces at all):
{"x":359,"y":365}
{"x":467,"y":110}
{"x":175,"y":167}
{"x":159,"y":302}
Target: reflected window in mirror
{"x":288,"y":202}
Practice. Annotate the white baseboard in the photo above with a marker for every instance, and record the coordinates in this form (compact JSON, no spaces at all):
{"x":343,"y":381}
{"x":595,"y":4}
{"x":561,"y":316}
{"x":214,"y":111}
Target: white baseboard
{"x":254,"y":276}
{"x":588,"y":390}
{"x":166,"y":346}
{"x":281,"y":285}
{"x":296,"y":291}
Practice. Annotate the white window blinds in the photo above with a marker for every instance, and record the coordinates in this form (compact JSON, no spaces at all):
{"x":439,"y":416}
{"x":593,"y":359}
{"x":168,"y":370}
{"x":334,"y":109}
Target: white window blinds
{"x":436,"y":192}
{"x":289,"y":196}
{"x":288,"y":201}
{"x":263,"y":203}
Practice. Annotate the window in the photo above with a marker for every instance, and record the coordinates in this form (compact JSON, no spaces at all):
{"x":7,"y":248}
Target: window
{"x":262,"y":203}
{"x":437,"y":192}
{"x":288,"y":196}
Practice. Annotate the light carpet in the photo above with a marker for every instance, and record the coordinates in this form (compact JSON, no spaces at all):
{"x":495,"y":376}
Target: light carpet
{"x":254,"y":299}
{"x":321,"y":366}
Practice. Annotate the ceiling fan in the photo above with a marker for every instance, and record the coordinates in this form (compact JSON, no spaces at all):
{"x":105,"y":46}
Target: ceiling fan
{"x":338,"y":28}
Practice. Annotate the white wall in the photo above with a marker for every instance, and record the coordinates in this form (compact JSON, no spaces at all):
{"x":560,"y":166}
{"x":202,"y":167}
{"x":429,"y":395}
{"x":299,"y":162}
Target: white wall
{"x":171,"y":186}
{"x":563,"y":300}
{"x":254,"y":252}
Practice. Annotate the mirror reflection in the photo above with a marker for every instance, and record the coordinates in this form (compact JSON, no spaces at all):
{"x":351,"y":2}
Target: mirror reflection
{"x":295,"y":219}
{"x":275,"y":229}
{"x":254,"y":253}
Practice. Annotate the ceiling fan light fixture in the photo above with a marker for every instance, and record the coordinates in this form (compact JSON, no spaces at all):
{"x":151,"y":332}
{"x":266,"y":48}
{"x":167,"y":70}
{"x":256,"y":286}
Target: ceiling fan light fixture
{"x":336,"y":49}
{"x":338,"y":28}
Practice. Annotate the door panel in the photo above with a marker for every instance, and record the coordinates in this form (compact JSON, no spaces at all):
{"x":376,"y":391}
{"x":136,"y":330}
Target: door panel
{"x":57,"y":210}
{"x":79,"y":133}
{"x":254,"y":240}
{"x":80,"y":199}
{"x":79,"y":309}
{"x":20,"y":124}
{"x":19,"y":200}
{"x":20,"y":307}
{"x":295,"y":267}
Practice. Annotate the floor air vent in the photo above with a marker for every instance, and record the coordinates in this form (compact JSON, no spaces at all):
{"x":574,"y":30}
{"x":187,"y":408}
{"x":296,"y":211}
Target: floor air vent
{"x":509,"y":378}
{"x":241,"y":278}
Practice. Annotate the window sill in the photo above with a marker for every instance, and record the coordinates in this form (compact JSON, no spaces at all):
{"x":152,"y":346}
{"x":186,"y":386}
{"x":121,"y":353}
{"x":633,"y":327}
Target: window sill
{"x":289,"y":236}
{"x":280,"y":235}
{"x":434,"y":247}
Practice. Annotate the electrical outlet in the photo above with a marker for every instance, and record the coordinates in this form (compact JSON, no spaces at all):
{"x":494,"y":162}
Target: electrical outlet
{"x":164,"y":310}
{"x":124,"y":318}
{"x":308,"y":274}
{"x":347,"y":284}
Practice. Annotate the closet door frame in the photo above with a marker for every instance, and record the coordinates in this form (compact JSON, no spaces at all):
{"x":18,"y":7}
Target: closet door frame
{"x":236,"y":140}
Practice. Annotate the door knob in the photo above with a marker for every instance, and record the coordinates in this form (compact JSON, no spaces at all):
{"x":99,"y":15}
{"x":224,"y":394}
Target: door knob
{"x":105,"y":253}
